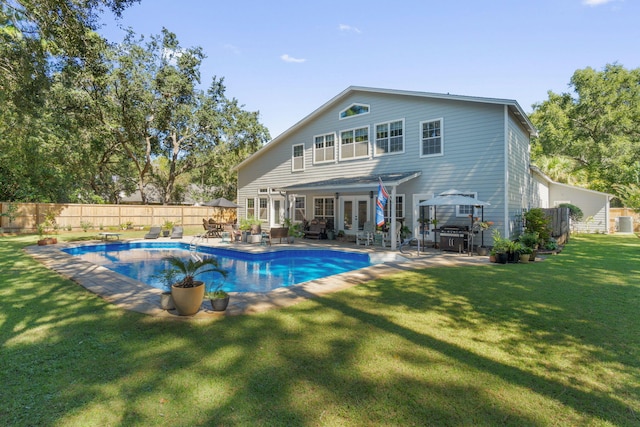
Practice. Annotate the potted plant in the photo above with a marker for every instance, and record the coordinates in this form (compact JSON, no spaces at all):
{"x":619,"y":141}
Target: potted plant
{"x":340,"y":236}
{"x":500,"y":247}
{"x":188,"y":293}
{"x":219,"y":298}
{"x":531,"y":241}
{"x":525,"y":254}
{"x":295,"y":229}
{"x":404,"y":232}
{"x":168,"y":277}
{"x":166,"y":227}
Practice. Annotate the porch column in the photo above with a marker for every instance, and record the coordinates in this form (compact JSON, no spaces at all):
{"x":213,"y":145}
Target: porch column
{"x":394,"y":240}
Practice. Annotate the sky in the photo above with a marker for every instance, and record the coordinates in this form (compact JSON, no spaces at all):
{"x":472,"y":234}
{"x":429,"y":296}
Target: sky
{"x":287,"y":58}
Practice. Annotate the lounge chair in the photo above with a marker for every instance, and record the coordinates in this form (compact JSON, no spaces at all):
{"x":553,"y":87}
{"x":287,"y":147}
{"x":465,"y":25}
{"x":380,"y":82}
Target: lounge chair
{"x":365,"y":237}
{"x":154,"y":233}
{"x":176,"y":232}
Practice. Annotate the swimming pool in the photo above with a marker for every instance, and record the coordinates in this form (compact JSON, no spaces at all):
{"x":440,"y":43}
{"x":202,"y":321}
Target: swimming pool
{"x":248,"y":272}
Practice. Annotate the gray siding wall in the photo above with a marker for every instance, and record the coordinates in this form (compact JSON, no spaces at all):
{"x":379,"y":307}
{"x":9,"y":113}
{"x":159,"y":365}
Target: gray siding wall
{"x":518,"y":177}
{"x":473,"y":160}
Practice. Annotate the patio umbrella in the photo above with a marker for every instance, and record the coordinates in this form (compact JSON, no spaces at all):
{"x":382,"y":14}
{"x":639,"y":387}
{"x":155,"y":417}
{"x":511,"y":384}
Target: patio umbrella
{"x":221,"y":202}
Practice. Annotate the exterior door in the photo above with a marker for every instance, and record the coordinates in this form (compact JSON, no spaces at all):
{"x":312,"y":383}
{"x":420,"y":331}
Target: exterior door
{"x":277,"y":212}
{"x":355,"y":212}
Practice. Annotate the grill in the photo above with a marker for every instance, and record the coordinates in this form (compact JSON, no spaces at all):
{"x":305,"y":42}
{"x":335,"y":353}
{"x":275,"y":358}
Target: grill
{"x":454,"y":238}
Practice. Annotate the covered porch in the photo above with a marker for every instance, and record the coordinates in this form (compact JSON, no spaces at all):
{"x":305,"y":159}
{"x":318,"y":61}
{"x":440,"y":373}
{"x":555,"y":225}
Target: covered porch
{"x":346,"y":204}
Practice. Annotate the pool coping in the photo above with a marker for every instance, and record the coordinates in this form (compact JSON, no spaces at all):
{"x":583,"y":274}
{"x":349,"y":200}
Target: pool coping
{"x":130,"y":294}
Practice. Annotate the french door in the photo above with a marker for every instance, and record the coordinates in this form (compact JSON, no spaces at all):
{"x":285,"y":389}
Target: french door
{"x":355,"y":211}
{"x":277,"y":211}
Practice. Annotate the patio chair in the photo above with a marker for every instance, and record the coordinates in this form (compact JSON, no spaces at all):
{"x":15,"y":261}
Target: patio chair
{"x":176,"y":232}
{"x":365,"y":237}
{"x":210,"y":229}
{"x":315,"y":231}
{"x":154,"y":233}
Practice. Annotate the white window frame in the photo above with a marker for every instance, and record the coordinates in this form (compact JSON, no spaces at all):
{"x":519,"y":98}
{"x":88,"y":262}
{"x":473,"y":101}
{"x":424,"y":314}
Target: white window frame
{"x":251,"y":209}
{"x":294,"y":157}
{"x":299,"y":211}
{"x":441,"y":153}
{"x":399,"y":209}
{"x":353,"y":144}
{"x":388,"y":138}
{"x":263,"y":209}
{"x":343,"y":116}
{"x":324,"y":149}
{"x":323,"y":214}
{"x":460,"y":213}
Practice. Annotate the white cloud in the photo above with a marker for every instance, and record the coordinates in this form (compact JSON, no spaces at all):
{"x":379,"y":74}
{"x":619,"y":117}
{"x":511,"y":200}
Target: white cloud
{"x":232,"y":48}
{"x":596,"y":2}
{"x":287,"y":58}
{"x":345,"y":27}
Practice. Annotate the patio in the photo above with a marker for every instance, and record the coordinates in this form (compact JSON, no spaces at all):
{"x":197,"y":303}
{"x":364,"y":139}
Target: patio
{"x":132,"y":295}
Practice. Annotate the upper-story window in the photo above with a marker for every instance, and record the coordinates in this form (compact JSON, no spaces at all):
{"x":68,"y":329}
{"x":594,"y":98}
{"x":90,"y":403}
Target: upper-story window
{"x":297,"y":157}
{"x":354,"y":110}
{"x":389,"y":137}
{"x":431,"y":138}
{"x":324,"y":148}
{"x":354,"y":143}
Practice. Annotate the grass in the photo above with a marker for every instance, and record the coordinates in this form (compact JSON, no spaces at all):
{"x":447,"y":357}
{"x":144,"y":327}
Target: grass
{"x":550,"y":343}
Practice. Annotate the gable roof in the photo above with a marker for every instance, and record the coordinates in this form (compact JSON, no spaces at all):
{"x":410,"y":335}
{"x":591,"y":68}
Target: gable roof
{"x":513,"y":106}
{"x":537,"y":171}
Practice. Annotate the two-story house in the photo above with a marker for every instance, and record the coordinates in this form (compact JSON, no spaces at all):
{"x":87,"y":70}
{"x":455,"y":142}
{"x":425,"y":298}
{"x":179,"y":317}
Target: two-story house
{"x":418,"y":144}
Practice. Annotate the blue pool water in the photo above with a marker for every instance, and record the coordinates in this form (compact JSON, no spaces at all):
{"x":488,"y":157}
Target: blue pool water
{"x":247,"y":272}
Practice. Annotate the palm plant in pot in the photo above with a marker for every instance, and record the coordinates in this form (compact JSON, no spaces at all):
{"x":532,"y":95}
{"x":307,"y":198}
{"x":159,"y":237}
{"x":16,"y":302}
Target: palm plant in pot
{"x":218,"y":297}
{"x":187,"y":292}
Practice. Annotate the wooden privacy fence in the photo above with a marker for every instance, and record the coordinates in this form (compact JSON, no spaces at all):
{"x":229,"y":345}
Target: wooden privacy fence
{"x":25,"y":217}
{"x":560,"y":224}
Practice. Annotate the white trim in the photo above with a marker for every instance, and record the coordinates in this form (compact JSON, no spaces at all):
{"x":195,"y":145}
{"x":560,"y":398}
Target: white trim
{"x":375,"y":138}
{"x":355,"y":115}
{"x":441,"y":120}
{"x":367,"y":156}
{"x":293,"y":147}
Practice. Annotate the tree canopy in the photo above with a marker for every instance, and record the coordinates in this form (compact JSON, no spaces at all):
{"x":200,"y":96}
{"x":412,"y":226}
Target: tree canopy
{"x":88,"y":121}
{"x":591,"y":136}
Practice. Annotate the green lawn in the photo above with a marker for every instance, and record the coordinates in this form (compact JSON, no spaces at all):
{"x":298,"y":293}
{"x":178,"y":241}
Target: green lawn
{"x":550,"y":343}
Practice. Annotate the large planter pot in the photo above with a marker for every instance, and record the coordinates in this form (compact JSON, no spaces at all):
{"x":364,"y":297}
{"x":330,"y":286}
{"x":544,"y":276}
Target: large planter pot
{"x":502,"y":257}
{"x":524,"y":258}
{"x":482,"y":251}
{"x":219,"y":304}
{"x":166,"y":301}
{"x":188,"y":300}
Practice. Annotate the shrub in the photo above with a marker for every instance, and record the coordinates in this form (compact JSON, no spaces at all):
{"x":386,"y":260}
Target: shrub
{"x":535,"y":221}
